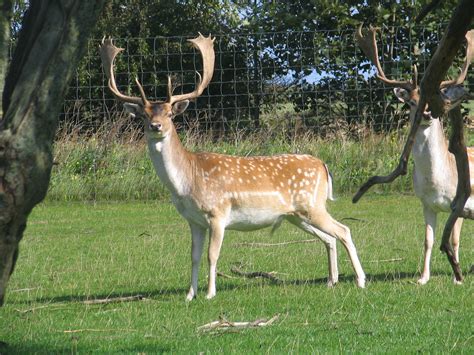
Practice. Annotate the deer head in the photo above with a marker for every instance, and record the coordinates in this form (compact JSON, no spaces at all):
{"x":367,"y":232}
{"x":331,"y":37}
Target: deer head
{"x":158,"y":115}
{"x":452,"y":91}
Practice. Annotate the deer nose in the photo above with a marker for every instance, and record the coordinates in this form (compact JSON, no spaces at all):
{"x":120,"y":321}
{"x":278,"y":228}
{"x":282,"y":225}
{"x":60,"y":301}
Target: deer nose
{"x":155,"y":126}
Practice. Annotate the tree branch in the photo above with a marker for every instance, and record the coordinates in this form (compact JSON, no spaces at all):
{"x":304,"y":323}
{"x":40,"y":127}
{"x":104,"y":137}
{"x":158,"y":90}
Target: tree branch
{"x":426,"y":10}
{"x":457,"y":146}
{"x":402,"y":167}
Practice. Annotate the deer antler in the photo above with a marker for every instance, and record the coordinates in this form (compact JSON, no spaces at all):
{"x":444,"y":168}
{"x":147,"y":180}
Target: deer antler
{"x":469,"y":57}
{"x":368,"y":45}
{"x":108,"y":52}
{"x":205,"y":45}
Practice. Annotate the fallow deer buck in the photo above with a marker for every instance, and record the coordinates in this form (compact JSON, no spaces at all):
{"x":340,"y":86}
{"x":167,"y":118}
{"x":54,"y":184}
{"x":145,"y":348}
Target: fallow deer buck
{"x":435,"y":176}
{"x":218,"y":192}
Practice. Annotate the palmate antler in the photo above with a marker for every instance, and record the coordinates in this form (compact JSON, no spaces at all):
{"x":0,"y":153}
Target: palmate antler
{"x":368,"y":44}
{"x":205,"y":45}
{"x":108,"y":52}
{"x":467,"y":61}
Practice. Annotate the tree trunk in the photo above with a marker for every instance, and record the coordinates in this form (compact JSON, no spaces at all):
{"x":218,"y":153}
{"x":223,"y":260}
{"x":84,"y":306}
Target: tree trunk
{"x":457,"y":146}
{"x":5,"y":18}
{"x":52,"y":39}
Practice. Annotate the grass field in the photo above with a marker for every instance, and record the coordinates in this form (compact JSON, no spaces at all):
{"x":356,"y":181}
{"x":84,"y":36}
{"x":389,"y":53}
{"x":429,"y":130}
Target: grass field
{"x":74,"y":252}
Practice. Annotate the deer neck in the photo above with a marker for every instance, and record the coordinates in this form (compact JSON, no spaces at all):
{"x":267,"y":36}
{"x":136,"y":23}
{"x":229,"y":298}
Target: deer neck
{"x":172,"y":162}
{"x":430,"y":150}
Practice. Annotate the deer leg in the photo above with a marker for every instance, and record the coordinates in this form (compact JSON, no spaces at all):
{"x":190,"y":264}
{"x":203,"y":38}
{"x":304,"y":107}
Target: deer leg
{"x":430,"y":227}
{"x":330,"y":244}
{"x":343,"y":233}
{"x":197,"y":234}
{"x":216,"y":237}
{"x":323,"y":221}
{"x":455,"y":237}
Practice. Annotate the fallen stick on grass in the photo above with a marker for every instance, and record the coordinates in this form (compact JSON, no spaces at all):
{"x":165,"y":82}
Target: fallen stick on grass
{"x":223,"y":324}
{"x":244,"y":244}
{"x":381,"y":260}
{"x":385,"y":260}
{"x":221,"y":274}
{"x":255,"y":274}
{"x":26,"y":289}
{"x":115,"y":299}
{"x":97,"y":330}
{"x":23,"y":311}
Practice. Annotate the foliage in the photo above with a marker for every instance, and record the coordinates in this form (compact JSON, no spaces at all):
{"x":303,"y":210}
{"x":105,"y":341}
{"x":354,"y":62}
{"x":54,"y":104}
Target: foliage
{"x":313,"y":82}
{"x":77,"y":252}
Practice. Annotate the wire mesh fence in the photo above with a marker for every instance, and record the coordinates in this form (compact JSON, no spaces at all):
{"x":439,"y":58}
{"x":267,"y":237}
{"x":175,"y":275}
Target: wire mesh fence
{"x":283,"y":81}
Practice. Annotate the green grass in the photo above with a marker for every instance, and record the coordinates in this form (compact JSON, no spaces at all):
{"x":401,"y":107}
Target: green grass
{"x":75,"y":251}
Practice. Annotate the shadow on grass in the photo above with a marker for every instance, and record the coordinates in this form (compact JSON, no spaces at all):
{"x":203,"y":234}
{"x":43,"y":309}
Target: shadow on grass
{"x":82,"y":298}
{"x":230,"y":285}
{"x":6,"y":348}
{"x":382,"y":277}
{"x":154,"y":294}
{"x":37,"y":348}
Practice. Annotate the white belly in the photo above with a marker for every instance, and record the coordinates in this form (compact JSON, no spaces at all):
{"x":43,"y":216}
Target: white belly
{"x":245,"y":218}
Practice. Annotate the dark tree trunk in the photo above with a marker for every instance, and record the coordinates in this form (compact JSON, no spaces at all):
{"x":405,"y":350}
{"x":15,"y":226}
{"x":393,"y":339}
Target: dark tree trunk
{"x":53,"y":36}
{"x":457,"y":146}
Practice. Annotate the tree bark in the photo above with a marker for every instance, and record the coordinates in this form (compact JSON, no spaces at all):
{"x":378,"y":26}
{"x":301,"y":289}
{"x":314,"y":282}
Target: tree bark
{"x":457,"y":146}
{"x":5,"y":18}
{"x":53,"y":37}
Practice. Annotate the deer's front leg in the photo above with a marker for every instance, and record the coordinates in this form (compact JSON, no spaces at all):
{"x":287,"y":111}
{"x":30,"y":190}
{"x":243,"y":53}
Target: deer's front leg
{"x":430,"y":227}
{"x":197,"y":234}
{"x":216,"y":237}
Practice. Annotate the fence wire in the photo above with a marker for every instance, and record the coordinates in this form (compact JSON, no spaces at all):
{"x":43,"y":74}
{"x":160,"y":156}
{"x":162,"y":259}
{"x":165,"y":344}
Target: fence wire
{"x":288,"y":81}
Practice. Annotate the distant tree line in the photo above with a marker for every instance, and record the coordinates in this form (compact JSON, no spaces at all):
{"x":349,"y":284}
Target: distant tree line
{"x":263,"y":64}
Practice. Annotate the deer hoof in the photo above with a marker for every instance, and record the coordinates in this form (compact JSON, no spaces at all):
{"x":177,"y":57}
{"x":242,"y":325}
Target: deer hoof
{"x":422,"y":281}
{"x":210,"y":295}
{"x":190,"y":296}
{"x":361,"y":283}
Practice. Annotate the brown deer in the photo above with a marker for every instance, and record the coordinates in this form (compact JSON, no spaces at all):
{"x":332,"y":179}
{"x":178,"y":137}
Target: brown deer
{"x":219,"y":192}
{"x":435,"y":176}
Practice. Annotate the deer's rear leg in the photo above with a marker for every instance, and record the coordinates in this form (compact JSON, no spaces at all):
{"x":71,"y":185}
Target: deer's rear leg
{"x":323,"y":221}
{"x":330,"y":244}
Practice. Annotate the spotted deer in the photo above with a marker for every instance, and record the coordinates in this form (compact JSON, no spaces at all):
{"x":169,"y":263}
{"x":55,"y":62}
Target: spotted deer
{"x":216,"y":192}
{"x":435,"y":175}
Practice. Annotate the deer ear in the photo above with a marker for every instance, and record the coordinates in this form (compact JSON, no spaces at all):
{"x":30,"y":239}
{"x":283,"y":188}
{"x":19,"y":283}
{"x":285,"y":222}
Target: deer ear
{"x":453,"y":93}
{"x":133,"y":109}
{"x":180,"y":107}
{"x":402,"y":94}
